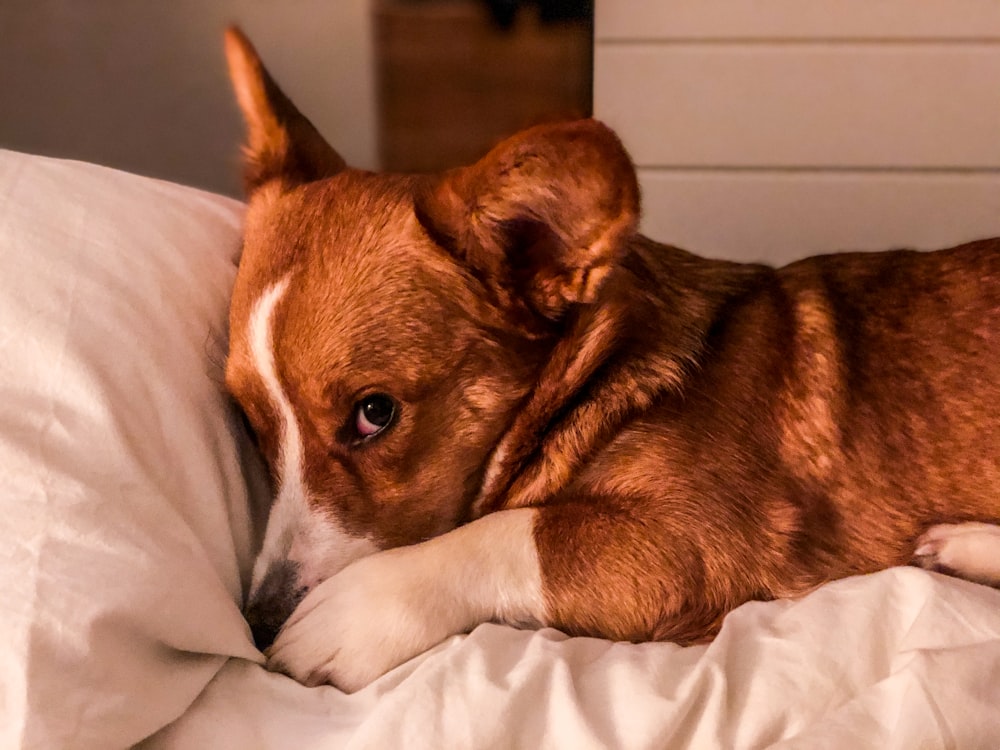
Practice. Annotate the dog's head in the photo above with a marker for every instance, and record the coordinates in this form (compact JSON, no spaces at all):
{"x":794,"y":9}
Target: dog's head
{"x":384,"y":328}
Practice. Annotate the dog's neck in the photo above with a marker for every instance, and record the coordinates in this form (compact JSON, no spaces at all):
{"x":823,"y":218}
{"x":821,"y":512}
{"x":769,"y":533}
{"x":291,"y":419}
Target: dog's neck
{"x":657,"y":288}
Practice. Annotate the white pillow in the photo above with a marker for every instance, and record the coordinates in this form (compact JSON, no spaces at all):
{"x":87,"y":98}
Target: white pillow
{"x":125,"y":524}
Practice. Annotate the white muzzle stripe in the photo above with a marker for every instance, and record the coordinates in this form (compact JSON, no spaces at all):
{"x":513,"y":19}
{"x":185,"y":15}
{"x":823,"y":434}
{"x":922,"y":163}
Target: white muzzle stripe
{"x":296,"y":532}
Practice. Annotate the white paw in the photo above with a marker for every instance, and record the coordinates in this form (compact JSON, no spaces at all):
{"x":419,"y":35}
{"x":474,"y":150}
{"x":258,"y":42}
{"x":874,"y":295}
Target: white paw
{"x":372,"y":616}
{"x":385,"y":609}
{"x":965,"y":550}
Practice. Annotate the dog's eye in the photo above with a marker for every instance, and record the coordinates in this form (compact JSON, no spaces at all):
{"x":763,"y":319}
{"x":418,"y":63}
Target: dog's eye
{"x":373,"y":414}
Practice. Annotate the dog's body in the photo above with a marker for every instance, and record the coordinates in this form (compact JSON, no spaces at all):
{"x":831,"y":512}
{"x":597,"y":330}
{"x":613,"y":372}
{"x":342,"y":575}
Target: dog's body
{"x":484,"y":397}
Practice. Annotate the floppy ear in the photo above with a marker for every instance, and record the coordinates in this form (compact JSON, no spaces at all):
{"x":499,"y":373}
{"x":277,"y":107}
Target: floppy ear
{"x":281,"y":143}
{"x":542,"y":218}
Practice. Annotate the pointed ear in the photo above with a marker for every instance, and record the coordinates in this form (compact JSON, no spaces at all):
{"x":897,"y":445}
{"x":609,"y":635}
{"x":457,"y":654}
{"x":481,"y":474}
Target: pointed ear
{"x":541,"y":219}
{"x":281,"y":143}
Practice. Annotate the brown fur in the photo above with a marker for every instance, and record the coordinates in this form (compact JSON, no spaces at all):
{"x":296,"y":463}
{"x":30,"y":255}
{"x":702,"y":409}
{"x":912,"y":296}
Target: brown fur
{"x":696,"y":433}
{"x":840,"y":407}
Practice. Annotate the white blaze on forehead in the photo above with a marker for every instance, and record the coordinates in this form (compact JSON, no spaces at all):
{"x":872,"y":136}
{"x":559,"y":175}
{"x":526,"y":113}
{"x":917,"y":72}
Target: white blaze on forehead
{"x":295,"y":531}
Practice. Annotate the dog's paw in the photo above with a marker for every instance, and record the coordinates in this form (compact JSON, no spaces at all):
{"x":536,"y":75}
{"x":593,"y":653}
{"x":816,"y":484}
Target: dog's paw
{"x":965,"y":550}
{"x":377,"y":613}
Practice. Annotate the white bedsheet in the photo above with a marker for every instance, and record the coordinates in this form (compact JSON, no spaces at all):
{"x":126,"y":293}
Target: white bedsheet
{"x":126,"y":540}
{"x":901,"y":659}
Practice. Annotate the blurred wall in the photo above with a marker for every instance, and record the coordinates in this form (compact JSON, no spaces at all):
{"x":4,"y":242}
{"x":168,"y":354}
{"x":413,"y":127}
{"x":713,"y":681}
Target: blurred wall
{"x":142,"y":85}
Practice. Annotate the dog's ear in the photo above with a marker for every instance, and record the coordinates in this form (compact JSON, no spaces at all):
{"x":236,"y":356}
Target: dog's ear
{"x":542,"y":218}
{"x":281,"y":143}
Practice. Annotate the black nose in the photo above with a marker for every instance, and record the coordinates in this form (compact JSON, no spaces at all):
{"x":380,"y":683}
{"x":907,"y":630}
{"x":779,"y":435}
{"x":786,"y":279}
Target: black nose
{"x":273,"y":602}
{"x":264,"y":631}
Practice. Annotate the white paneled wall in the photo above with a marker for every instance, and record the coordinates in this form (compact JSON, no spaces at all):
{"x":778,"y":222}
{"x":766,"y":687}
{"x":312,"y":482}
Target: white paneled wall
{"x":773,"y":129}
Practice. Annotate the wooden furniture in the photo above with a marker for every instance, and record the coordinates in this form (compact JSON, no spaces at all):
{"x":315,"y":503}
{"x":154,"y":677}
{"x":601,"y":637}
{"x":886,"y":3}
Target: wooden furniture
{"x":451,"y":82}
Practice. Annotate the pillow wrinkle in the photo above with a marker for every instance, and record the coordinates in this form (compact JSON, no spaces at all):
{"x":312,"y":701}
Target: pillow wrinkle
{"x":124,"y":513}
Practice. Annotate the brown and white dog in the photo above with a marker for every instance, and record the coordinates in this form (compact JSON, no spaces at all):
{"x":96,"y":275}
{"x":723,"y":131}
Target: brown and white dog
{"x":483,"y":396}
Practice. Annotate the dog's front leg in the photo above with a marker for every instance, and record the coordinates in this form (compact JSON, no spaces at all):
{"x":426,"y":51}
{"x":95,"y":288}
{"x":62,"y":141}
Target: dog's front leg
{"x":384,"y":609}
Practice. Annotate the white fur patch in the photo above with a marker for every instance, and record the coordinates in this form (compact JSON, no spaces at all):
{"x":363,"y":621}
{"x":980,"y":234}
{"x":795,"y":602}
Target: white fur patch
{"x":490,"y":477}
{"x":968,"y":550}
{"x":296,"y":531}
{"x":387,"y":608}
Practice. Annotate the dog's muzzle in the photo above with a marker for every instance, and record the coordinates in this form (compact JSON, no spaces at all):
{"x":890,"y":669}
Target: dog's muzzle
{"x":273,"y":601}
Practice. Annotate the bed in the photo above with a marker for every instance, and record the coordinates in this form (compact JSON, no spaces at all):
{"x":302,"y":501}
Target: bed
{"x":131,"y":504}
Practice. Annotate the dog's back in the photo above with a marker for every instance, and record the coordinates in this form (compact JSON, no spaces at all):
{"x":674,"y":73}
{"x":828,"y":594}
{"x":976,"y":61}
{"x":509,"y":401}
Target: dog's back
{"x":834,"y":410}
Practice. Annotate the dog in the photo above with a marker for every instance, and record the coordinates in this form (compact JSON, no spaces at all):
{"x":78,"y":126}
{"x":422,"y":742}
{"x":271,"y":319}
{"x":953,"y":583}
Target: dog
{"x":483,"y":396}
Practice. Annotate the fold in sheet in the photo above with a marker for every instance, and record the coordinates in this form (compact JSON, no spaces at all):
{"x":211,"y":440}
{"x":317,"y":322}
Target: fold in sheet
{"x":898,"y":660}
